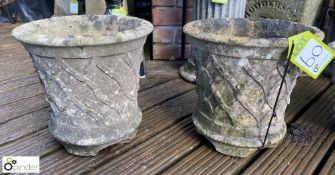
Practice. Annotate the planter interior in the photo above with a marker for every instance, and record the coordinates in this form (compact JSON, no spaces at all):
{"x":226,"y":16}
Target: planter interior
{"x":239,"y":67}
{"x":89,"y":67}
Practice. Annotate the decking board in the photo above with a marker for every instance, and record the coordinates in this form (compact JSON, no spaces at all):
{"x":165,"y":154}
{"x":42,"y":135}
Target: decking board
{"x":21,"y":93}
{"x":163,"y":68}
{"x":151,"y":81}
{"x":178,"y":139}
{"x":305,"y":93}
{"x":307,"y":88}
{"x":155,"y":120}
{"x":40,"y":143}
{"x":166,"y":90}
{"x":329,"y":167}
{"x":291,"y":156}
{"x":24,"y":126}
{"x":22,"y":107}
{"x":18,"y":82}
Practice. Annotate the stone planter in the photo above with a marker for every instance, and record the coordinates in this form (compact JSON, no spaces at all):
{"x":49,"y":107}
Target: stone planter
{"x":204,"y":9}
{"x":89,"y":67}
{"x":239,"y":67}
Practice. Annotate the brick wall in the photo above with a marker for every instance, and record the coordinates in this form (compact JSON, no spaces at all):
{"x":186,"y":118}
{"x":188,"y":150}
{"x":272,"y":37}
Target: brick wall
{"x":167,"y":18}
{"x":189,"y":12}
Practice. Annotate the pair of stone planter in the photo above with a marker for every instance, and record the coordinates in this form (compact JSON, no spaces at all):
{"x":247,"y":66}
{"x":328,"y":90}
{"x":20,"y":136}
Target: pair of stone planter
{"x":239,"y":68}
{"x":89,"y":67}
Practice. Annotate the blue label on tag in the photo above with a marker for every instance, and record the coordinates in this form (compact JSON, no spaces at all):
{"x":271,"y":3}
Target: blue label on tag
{"x":74,"y":8}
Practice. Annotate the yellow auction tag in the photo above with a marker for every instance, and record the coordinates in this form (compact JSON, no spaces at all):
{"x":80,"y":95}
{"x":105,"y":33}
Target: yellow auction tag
{"x":310,"y":54}
{"x":74,"y":7}
{"x":220,"y":1}
{"x":119,"y":11}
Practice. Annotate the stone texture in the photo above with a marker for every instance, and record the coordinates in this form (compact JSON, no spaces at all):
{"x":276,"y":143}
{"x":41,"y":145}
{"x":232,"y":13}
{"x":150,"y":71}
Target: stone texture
{"x":96,"y":7}
{"x":89,"y":67}
{"x":332,"y":45}
{"x":304,"y":11}
{"x":203,"y":9}
{"x":4,"y":3}
{"x":239,"y":67}
{"x":62,"y":8}
{"x":187,"y":71}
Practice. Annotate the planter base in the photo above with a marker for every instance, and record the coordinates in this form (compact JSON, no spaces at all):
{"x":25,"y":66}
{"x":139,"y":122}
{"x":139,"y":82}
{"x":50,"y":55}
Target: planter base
{"x":93,"y":150}
{"x":231,"y":150}
{"x":187,"y":71}
{"x":234,"y":150}
{"x":83,"y":150}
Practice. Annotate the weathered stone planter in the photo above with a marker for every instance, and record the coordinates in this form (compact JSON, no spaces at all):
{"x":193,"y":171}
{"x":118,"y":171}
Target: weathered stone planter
{"x":239,"y":67}
{"x":89,"y":67}
{"x":204,"y":9}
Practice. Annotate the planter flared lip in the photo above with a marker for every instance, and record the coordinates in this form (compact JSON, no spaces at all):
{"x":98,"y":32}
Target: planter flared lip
{"x":332,"y":45}
{"x":199,"y":34}
{"x":23,"y":33}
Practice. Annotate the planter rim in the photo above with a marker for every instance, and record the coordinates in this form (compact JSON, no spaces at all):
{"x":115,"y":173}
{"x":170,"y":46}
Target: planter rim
{"x":195,"y":32}
{"x":332,"y":45}
{"x":27,"y":34}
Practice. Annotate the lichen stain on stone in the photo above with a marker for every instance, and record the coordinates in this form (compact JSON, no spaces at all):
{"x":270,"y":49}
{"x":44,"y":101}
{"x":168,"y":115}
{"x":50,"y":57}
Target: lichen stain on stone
{"x":98,"y":25}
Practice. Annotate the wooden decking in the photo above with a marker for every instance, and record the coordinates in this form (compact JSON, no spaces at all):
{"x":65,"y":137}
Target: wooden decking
{"x":166,"y":142}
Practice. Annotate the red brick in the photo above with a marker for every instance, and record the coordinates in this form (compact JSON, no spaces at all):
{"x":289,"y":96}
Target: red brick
{"x":179,"y":3}
{"x":187,"y":39}
{"x":167,"y":16}
{"x":189,"y":13}
{"x":166,"y":51}
{"x":178,"y":35}
{"x":164,"y":34}
{"x":187,"y":54}
{"x":163,"y":3}
{"x":189,"y":3}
